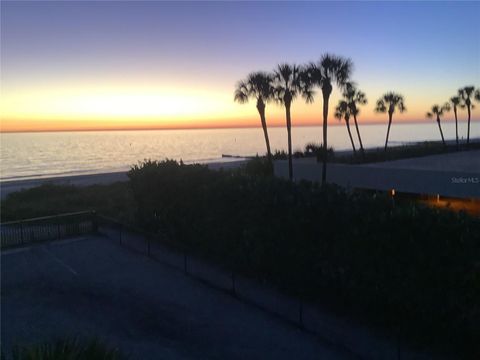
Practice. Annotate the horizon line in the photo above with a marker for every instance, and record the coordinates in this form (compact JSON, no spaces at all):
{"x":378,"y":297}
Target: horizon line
{"x":249,"y":126}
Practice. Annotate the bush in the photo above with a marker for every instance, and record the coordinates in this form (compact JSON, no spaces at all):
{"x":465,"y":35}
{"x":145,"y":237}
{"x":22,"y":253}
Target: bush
{"x":258,"y":166}
{"x":311,"y":150}
{"x":406,"y":268}
{"x":114,"y":200}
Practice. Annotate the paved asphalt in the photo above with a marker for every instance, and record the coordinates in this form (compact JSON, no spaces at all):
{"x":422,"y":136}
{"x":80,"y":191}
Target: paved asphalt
{"x":92,"y":287}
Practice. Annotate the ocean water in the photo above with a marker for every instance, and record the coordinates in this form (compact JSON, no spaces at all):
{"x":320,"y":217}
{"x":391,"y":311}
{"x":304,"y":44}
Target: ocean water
{"x":36,"y":155}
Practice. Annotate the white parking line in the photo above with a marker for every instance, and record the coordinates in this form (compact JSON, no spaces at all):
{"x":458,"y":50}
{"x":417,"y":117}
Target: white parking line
{"x":60,"y":261}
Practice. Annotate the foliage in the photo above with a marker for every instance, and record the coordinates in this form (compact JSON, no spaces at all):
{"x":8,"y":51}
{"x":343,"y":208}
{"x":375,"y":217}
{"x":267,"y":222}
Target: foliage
{"x":257,"y":166}
{"x":258,"y":85}
{"x":311,"y":150}
{"x":389,"y":102}
{"x":438,"y":110}
{"x":49,"y":199}
{"x":406,"y":268}
{"x":67,"y":349}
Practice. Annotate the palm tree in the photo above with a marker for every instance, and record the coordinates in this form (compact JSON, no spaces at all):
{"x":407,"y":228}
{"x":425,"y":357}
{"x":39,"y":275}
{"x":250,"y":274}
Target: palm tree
{"x":477,"y":95}
{"x":388,"y":103}
{"x":465,"y":94}
{"x":289,"y":83}
{"x":355,"y":97}
{"x":330,"y":69}
{"x":455,"y":101}
{"x":258,"y":85}
{"x":438,"y":111}
{"x":343,"y":110}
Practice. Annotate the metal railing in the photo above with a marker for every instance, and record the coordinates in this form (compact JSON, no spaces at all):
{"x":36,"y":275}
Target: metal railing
{"x":46,"y":228}
{"x":304,"y":315}
{"x":307,"y":316}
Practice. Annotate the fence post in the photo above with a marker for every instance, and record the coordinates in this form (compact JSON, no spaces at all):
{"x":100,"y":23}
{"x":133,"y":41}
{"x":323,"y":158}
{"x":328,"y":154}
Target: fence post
{"x":120,"y":233}
{"x":185,"y":262}
{"x":58,"y":227}
{"x":21,"y":233}
{"x":300,"y":314}
{"x":399,"y":348}
{"x":94,"y":221}
{"x":234,"y":291}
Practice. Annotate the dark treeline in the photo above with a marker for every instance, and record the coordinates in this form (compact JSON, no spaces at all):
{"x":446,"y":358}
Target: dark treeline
{"x":408,"y":269}
{"x":287,"y":82}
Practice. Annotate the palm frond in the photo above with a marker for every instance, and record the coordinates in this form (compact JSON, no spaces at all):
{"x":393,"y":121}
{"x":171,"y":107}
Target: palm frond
{"x":291,"y":81}
{"x":477,"y":95}
{"x":342,"y":110}
{"x":455,"y":100}
{"x":469,"y":90}
{"x":241,"y":94}
{"x":380,"y":106}
{"x":446,"y":107}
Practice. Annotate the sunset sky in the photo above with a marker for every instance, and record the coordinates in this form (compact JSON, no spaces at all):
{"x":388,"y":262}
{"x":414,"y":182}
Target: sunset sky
{"x":103,"y":65}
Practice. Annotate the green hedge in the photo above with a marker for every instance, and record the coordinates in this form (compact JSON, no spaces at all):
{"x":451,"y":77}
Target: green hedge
{"x":411,"y":269}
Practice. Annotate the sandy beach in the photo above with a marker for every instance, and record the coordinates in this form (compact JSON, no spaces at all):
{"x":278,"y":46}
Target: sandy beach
{"x":8,"y":187}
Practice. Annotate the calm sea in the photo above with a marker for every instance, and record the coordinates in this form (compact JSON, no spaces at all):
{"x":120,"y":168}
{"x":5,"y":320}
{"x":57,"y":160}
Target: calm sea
{"x":35,"y":155}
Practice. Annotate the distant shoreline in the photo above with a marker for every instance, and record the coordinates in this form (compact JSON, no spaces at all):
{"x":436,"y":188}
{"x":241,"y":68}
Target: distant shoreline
{"x":316,"y":124}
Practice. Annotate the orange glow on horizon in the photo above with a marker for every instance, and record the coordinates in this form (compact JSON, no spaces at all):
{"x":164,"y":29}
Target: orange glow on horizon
{"x":7,"y":126}
{"x":132,"y":106}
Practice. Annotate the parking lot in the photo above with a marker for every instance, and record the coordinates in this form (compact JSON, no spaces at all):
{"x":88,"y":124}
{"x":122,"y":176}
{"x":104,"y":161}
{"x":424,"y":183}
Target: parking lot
{"x":92,"y":287}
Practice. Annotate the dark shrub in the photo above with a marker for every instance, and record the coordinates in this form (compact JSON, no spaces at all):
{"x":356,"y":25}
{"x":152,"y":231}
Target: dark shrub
{"x":407,"y":268}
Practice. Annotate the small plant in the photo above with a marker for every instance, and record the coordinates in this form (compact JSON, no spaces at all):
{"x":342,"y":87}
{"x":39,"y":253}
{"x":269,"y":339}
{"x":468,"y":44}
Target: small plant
{"x":258,"y":166}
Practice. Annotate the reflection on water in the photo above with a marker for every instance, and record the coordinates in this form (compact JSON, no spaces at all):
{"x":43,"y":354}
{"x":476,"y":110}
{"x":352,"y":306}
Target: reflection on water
{"x":25,"y":155}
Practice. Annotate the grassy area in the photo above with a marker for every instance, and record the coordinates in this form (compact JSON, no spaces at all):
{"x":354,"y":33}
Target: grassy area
{"x":404,"y":268}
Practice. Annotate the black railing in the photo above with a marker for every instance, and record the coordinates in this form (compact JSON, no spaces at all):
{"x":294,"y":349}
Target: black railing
{"x":46,"y":228}
{"x":305,"y":315}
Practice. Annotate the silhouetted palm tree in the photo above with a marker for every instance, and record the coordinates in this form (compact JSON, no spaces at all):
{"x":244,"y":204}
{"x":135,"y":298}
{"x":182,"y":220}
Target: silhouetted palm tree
{"x":477,"y":95}
{"x":455,"y":101}
{"x":388,"y":103}
{"x":330,"y":69}
{"x":343,"y":110}
{"x":355,"y":97}
{"x":258,"y":85}
{"x":438,"y":111}
{"x":465,"y":94}
{"x":289,"y":83}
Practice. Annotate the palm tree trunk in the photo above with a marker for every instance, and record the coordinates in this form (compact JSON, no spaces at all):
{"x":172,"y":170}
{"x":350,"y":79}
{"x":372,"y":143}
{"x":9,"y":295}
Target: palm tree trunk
{"x":456,"y":125}
{"x":441,"y":132}
{"x":388,"y":130}
{"x":326,"y":96}
{"x":289,"y":134}
{"x":351,"y":138}
{"x":261,"y":111}
{"x":358,"y":134}
{"x":468,"y":126}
